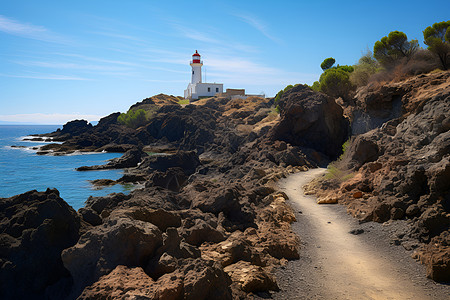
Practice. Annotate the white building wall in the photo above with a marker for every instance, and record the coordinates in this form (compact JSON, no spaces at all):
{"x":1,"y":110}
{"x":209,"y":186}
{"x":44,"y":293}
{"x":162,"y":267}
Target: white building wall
{"x":194,"y":91}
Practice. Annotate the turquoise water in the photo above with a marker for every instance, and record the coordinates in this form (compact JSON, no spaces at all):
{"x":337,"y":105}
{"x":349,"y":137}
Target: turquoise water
{"x":22,"y":170}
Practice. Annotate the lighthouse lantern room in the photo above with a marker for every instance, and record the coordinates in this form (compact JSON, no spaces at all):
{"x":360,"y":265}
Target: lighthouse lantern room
{"x":197,"y":88}
{"x":196,"y":65}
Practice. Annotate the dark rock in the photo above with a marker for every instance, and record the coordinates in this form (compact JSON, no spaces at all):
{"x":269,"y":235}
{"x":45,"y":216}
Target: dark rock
{"x":361,"y":151}
{"x":172,"y":179}
{"x":202,"y":232}
{"x":130,"y":159}
{"x":116,"y":242}
{"x":311,"y":119}
{"x":76,"y":127}
{"x":99,"y":204}
{"x":357,"y":231}
{"x":205,"y":280}
{"x":186,"y":160}
{"x":35,"y":227}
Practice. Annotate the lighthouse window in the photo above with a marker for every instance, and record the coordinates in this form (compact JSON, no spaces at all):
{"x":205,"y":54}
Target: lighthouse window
{"x":217,"y":90}
{"x":209,"y":89}
{"x":192,"y":72}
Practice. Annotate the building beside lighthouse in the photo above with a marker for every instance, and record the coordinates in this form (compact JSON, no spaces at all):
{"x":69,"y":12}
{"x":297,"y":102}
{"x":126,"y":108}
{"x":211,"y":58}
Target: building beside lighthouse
{"x":197,"y":88}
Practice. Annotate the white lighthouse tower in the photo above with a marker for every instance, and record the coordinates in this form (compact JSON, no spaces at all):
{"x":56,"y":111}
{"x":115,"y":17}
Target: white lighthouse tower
{"x":197,"y":88}
{"x":196,"y":65}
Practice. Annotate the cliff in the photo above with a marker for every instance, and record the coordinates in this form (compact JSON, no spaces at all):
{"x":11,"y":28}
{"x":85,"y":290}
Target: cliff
{"x":209,"y":222}
{"x":399,"y":169}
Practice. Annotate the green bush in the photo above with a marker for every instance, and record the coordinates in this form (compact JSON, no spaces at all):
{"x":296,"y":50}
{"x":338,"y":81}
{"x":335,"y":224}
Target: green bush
{"x":287,"y":88}
{"x":278,"y":109}
{"x":364,"y":69}
{"x":437,"y":38}
{"x":278,"y":96}
{"x":315,"y":86}
{"x":335,"y":82}
{"x":281,"y":92}
{"x":133,"y":118}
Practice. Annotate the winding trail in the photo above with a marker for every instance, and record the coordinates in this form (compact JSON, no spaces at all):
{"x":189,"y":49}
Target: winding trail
{"x":336,"y":264}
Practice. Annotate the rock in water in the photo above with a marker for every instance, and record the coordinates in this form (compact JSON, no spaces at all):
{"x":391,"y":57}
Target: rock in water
{"x":129,"y":159}
{"x":35,"y":227}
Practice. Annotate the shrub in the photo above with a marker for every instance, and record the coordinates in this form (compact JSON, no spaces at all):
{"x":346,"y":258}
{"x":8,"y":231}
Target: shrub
{"x":133,"y":118}
{"x":278,"y":96}
{"x":437,"y":38}
{"x":278,"y":109}
{"x":315,"y":86}
{"x":364,"y":69}
{"x":281,"y":92}
{"x":335,"y":82}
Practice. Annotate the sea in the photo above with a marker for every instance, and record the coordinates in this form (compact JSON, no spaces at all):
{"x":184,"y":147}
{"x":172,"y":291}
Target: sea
{"x":22,"y":170}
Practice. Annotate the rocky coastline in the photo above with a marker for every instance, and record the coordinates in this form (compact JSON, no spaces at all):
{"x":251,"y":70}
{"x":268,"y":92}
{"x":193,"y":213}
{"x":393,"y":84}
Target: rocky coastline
{"x":209,"y":222}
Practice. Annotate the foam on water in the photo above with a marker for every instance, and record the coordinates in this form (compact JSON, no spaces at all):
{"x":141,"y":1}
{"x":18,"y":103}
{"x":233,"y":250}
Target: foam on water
{"x":21,"y":169}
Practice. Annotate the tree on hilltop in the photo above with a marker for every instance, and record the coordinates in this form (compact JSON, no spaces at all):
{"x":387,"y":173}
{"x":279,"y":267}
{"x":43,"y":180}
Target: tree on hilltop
{"x":327,"y":63}
{"x":335,"y":82}
{"x":437,"y":38}
{"x":393,"y":47}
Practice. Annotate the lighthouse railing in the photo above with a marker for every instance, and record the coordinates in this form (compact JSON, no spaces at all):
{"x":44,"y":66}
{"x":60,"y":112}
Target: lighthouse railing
{"x":197,"y":62}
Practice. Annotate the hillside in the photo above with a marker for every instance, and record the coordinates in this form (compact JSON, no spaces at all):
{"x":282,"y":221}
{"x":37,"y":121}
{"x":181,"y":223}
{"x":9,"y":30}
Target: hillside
{"x":398,"y":168}
{"x":209,"y":222}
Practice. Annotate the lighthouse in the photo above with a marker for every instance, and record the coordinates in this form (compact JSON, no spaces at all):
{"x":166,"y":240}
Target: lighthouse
{"x":196,"y":88}
{"x":196,"y":65}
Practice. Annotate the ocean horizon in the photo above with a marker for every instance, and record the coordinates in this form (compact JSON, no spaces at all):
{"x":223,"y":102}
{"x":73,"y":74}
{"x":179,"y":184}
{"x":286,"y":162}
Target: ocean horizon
{"x":22,"y":170}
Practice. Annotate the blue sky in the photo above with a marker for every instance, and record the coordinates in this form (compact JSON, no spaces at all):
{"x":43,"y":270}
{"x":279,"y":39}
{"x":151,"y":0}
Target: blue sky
{"x":61,"y":60}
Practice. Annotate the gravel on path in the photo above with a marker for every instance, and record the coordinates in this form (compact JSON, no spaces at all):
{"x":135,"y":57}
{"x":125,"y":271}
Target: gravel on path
{"x":343,"y":259}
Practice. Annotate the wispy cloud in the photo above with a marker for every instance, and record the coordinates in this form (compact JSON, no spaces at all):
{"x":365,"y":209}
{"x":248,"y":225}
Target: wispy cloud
{"x":26,"y":30}
{"x":241,"y":72}
{"x":44,"y":76}
{"x":118,"y":35}
{"x":259,"y":25}
{"x":41,"y":118}
{"x":96,"y":59}
{"x":195,"y":35}
{"x":71,"y":66}
{"x":165,"y":81}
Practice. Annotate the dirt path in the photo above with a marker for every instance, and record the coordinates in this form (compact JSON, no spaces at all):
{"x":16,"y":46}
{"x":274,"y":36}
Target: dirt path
{"x":336,"y":264}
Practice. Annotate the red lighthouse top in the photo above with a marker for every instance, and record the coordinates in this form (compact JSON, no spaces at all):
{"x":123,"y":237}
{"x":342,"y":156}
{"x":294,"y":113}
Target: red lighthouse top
{"x":196,"y":58}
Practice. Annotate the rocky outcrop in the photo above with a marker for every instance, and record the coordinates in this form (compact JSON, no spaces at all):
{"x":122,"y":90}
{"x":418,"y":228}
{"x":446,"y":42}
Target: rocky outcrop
{"x":376,"y":104}
{"x":208,"y":223}
{"x":35,"y":227}
{"x":119,"y":241}
{"x":312,"y":120}
{"x":129,"y":159}
{"x":402,"y":169}
{"x":186,"y":160}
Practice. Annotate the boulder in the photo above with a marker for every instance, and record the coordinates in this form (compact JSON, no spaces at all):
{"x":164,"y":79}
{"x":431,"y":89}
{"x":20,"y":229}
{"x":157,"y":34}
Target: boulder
{"x":172,"y":179}
{"x":121,"y":241}
{"x":251,"y":278}
{"x":363,"y":149}
{"x":310,"y":119}
{"x":205,"y":280}
{"x":202,"y":232}
{"x":436,"y":257}
{"x":122,"y":283}
{"x":34,"y":229}
{"x":162,"y":218}
{"x":186,"y":160}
